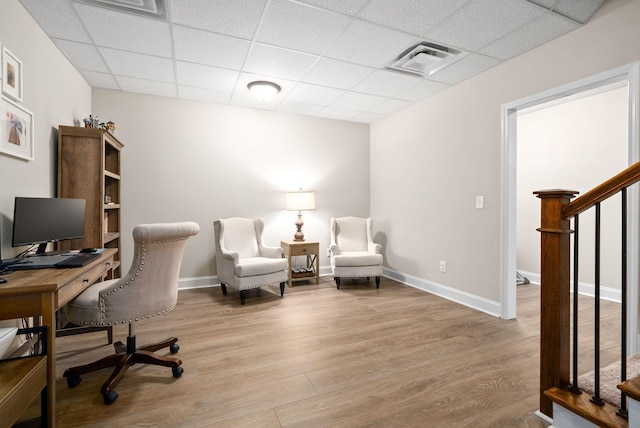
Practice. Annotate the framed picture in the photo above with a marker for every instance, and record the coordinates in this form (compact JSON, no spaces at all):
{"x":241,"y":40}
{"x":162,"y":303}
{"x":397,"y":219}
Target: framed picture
{"x":11,"y":75}
{"x":16,"y":130}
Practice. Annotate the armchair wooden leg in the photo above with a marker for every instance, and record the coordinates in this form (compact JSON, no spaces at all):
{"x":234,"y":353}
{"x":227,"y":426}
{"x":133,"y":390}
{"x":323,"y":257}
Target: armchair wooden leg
{"x":282,"y":289}
{"x":377,"y":282}
{"x":337,"y":279}
{"x":243,"y":296}
{"x":224,"y":288}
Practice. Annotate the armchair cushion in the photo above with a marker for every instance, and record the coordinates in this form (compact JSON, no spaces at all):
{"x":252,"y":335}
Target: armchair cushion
{"x":357,"y":258}
{"x":252,"y":266}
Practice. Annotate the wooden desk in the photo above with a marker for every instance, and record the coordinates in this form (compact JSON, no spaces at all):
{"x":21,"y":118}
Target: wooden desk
{"x":39,"y":293}
{"x":303,"y":248}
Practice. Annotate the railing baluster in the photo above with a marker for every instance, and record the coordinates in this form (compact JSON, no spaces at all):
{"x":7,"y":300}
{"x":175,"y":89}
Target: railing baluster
{"x":576,"y":227}
{"x":596,"y":329}
{"x":622,"y":411}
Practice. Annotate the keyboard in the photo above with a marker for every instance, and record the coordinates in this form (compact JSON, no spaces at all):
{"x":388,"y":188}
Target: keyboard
{"x":77,"y":260}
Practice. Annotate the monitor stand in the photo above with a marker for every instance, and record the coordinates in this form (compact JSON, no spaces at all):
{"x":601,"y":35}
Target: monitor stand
{"x":41,"y":251}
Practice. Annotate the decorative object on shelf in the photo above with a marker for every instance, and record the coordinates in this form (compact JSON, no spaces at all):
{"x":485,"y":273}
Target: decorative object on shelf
{"x":111,"y":127}
{"x":107,"y":199}
{"x":263,"y":90}
{"x":11,"y":75}
{"x":91,"y":122}
{"x":300,"y":201}
{"x":16,"y":130}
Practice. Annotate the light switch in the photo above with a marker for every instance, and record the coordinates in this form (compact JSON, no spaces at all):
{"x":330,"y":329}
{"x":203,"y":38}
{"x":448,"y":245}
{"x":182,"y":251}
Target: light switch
{"x":479,"y":202}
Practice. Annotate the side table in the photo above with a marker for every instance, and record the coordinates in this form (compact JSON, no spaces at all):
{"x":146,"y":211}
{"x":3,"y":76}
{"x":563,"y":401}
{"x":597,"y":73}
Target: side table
{"x":309,"y":249}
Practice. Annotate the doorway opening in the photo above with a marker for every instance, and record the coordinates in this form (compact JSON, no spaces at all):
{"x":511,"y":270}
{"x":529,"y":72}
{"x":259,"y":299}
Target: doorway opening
{"x":627,"y":75}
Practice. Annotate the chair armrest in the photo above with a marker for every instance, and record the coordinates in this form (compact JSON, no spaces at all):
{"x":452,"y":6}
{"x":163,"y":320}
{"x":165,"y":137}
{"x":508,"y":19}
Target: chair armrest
{"x":334,"y":249}
{"x":374,"y":248}
{"x":271,"y":252}
{"x":230,"y":255}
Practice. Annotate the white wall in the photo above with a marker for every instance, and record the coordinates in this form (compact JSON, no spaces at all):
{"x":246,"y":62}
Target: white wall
{"x":450,"y":148}
{"x":55,"y":93}
{"x":186,"y":160}
{"x":594,"y":130}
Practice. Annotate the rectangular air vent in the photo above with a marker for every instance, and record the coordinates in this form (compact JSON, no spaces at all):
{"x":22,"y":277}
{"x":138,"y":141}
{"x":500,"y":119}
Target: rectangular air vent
{"x":426,"y":59}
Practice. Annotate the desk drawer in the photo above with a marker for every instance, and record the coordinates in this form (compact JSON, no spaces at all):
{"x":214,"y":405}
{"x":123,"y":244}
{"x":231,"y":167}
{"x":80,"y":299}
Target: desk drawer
{"x":77,"y":286}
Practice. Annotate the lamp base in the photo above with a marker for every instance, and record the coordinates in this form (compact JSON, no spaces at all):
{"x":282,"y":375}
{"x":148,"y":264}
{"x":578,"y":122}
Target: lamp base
{"x":299,"y":236}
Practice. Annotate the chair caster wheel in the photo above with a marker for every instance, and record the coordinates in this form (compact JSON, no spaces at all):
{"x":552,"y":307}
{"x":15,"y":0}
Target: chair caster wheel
{"x":73,"y":381}
{"x":109,"y":397}
{"x":177,"y":371}
{"x":174,"y":349}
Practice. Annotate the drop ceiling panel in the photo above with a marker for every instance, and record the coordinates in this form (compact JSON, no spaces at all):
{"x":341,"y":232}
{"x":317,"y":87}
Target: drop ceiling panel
{"x":367,"y":117}
{"x":204,"y":76}
{"x":337,"y":113}
{"x":481,"y":22}
{"x":389,"y":106}
{"x":208,"y":48}
{"x":329,"y":56}
{"x":357,"y":101}
{"x":82,"y":55}
{"x":137,"y":65}
{"x":203,"y":95}
{"x":142,"y":86}
{"x":421,"y":90}
{"x":535,"y":33}
{"x":300,"y":27}
{"x":277,"y":62}
{"x":58,"y":19}
{"x":579,"y":10}
{"x":386,"y":83}
{"x":467,"y":67}
{"x":339,"y":74}
{"x":100,"y":80}
{"x":299,"y":108}
{"x":367,"y":44}
{"x":117,"y":30}
{"x":312,"y":94}
{"x":414,"y":16}
{"x":237,"y":18}
{"x":350,"y":7}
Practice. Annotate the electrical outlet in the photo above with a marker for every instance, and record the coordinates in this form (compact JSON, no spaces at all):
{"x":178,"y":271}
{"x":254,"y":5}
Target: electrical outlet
{"x":328,"y":252}
{"x":480,"y":202}
{"x":443,"y":266}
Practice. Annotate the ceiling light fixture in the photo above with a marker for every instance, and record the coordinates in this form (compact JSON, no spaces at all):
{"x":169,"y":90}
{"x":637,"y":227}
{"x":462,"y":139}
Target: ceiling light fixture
{"x":263,"y":90}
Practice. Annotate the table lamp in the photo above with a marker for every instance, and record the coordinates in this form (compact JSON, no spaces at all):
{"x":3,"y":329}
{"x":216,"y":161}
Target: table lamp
{"x":300,"y":201}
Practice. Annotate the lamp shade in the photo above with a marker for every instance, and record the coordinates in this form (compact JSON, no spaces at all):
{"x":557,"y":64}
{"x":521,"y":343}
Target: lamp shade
{"x":301,"y":201}
{"x":263,"y":90}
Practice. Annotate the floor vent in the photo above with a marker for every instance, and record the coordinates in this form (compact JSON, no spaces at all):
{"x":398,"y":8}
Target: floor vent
{"x":426,"y":59}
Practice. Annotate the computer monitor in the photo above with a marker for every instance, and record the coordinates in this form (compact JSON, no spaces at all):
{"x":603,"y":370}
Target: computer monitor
{"x":43,"y":220}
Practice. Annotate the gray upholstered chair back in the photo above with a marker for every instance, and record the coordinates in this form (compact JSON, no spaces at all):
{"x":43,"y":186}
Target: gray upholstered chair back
{"x":150,"y":287}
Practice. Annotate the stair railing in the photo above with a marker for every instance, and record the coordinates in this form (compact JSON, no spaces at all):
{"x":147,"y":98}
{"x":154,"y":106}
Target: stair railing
{"x":557,"y":210}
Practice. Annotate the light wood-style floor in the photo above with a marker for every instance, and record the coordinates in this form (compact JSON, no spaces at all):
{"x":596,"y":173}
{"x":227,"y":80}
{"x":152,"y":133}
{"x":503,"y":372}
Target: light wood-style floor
{"x":319,"y":357}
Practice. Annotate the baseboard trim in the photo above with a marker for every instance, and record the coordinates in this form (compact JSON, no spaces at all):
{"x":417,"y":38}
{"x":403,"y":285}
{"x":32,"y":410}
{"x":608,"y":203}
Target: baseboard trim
{"x":467,"y":299}
{"x":198,"y":282}
{"x":212,"y":281}
{"x":584,"y":288}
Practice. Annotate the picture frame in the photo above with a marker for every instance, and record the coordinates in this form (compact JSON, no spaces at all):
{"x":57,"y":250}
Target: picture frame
{"x":11,"y":75}
{"x":16,"y":130}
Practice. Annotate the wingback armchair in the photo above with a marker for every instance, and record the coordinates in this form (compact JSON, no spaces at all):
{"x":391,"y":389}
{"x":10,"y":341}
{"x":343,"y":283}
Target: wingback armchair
{"x":353,"y":252}
{"x":243,"y":260}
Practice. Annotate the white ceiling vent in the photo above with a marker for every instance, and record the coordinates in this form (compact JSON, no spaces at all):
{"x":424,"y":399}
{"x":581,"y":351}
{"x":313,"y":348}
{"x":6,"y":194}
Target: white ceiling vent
{"x":426,"y":59}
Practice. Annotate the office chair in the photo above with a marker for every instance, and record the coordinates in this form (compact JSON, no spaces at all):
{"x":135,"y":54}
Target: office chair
{"x":353,"y":252}
{"x":243,"y":260}
{"x":149,"y":289}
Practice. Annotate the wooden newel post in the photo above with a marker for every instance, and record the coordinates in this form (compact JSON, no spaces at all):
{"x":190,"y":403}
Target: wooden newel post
{"x":555,"y":298}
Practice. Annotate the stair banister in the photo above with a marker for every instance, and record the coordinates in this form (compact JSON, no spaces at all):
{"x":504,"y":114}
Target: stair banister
{"x":557,"y":209}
